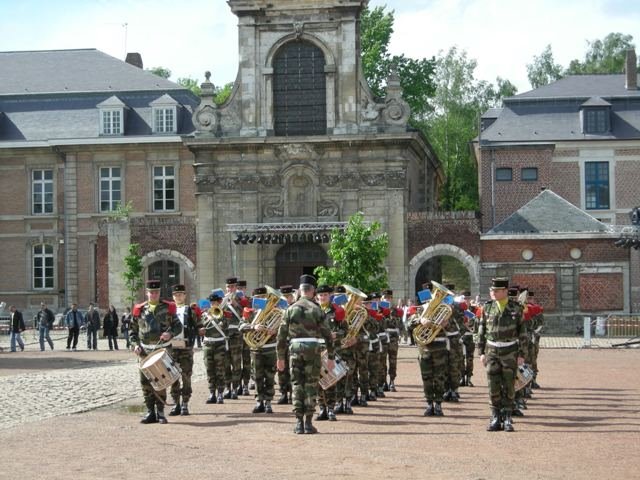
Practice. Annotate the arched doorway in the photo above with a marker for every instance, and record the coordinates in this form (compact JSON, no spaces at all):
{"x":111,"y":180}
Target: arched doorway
{"x":443,"y":269}
{"x":295,"y":259}
{"x":167,"y":272}
{"x":299,"y":90}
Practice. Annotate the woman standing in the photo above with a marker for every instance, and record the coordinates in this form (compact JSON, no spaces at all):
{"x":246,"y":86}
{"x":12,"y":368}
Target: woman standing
{"x":110,"y":325}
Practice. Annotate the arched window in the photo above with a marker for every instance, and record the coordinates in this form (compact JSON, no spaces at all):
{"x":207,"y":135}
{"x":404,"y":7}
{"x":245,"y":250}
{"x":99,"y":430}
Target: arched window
{"x":299,"y":90}
{"x":43,"y":266}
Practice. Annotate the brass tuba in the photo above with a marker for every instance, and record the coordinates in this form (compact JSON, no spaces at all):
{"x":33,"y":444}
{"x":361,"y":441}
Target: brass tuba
{"x":269,"y":317}
{"x":355,"y":315}
{"x":436,"y":312}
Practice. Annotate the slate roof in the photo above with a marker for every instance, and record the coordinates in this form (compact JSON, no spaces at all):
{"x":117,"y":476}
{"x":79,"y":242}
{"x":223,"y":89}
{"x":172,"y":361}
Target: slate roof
{"x":548,"y":213}
{"x":78,"y":71}
{"x":552,"y":112}
{"x":55,"y":95}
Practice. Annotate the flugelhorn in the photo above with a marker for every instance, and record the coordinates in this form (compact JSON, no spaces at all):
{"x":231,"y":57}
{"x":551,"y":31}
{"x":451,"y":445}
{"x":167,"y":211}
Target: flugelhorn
{"x":436,"y":313}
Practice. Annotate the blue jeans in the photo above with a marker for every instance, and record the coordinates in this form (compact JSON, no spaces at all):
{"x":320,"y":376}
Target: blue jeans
{"x":92,"y":338}
{"x":44,"y":334}
{"x":15,"y":337}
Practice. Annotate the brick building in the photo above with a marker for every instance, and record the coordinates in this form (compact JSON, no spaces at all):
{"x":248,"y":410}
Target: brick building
{"x":579,"y":138}
{"x":80,"y":133}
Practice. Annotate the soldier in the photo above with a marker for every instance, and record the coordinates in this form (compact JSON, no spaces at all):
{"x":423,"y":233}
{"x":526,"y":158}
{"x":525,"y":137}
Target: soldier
{"x":393,"y":328}
{"x":233,"y":369}
{"x":454,"y":357}
{"x":284,"y":376}
{"x":303,"y":324}
{"x":263,"y":359}
{"x":154,"y":325}
{"x":334,"y":318}
{"x":537,"y":324}
{"x":468,"y":328}
{"x":346,"y":350}
{"x":361,"y":349}
{"x":245,"y":374}
{"x":182,"y":348}
{"x":433,"y":359}
{"x":215,"y":345}
{"x":502,"y":340}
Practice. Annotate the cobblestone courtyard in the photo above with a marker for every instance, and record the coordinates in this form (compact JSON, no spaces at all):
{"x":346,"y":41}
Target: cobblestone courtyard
{"x":83,"y":409}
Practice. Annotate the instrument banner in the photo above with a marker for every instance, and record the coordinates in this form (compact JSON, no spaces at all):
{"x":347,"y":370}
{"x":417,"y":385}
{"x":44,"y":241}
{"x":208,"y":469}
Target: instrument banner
{"x":218,"y":292}
{"x":424,"y":295}
{"x":283,"y":303}
{"x":340,"y":299}
{"x":259,"y":303}
{"x":204,"y":304}
{"x":384,"y":304}
{"x":374,"y":306}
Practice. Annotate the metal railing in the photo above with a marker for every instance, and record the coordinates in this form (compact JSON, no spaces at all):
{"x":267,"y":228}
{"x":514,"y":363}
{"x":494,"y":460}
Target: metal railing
{"x":618,"y":326}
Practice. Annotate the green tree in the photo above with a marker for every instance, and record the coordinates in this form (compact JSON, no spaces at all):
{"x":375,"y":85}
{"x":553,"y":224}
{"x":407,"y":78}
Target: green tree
{"x":133,"y":272}
{"x":358,"y":254}
{"x":453,"y":123}
{"x":416,"y":75}
{"x":160,"y":71}
{"x":603,"y":56}
{"x":223,"y":93}
{"x":543,"y":70}
{"x":191,"y":84}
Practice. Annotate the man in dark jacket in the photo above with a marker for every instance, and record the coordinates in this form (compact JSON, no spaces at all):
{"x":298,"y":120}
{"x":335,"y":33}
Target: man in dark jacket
{"x":93,"y":326}
{"x":45,"y":319}
{"x":17,"y":327}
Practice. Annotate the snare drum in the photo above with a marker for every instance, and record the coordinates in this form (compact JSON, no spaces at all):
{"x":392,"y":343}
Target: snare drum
{"x":524,"y":376}
{"x":329,"y":378}
{"x":160,"y":369}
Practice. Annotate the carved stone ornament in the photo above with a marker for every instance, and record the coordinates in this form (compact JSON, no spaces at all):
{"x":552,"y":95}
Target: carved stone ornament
{"x":397,"y":179}
{"x":202,"y":179}
{"x":271,"y":181}
{"x":370,"y":109}
{"x":205,"y":118}
{"x":373,"y":179}
{"x":327,"y":208}
{"x":330,"y":180}
{"x":229,"y":183}
{"x":274,"y":207}
{"x":350,"y":179}
{"x":295,"y":151}
{"x":396,"y":112}
{"x":298,"y":29}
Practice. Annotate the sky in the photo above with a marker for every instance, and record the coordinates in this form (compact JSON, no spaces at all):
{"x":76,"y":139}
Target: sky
{"x":192,"y":36}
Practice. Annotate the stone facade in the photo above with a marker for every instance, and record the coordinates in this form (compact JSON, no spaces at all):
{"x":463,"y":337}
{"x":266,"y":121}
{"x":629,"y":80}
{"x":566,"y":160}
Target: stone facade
{"x":250,"y":180}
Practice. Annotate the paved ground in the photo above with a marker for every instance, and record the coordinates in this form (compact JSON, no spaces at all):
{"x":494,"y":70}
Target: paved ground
{"x":584,"y":422}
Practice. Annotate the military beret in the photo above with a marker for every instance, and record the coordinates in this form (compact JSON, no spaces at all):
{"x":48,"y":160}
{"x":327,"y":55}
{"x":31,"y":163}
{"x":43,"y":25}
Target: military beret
{"x":153,"y":285}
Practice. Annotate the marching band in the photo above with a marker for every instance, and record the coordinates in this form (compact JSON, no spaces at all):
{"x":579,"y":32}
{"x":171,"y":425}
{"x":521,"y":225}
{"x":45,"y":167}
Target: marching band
{"x":335,"y":346}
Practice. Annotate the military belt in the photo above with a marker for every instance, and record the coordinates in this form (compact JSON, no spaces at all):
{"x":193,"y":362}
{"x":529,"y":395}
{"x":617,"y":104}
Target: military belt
{"x":453,"y":334}
{"x":155,"y":347}
{"x":304,"y":340}
{"x":269,"y":345}
{"x":501,"y":344}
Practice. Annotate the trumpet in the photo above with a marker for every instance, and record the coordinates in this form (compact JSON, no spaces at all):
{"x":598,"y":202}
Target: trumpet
{"x":436,"y":313}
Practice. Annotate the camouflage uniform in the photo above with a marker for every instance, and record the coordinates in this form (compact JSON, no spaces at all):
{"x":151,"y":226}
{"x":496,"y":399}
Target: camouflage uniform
{"x":452,"y":331}
{"x":468,"y":349}
{"x":303,"y":324}
{"x":149,"y":322}
{"x":502,"y":338}
{"x":361,"y":371}
{"x":184,"y":355}
{"x":372,"y":327}
{"x":233,"y":368}
{"x":328,"y":398}
{"x":433,"y":359}
{"x":215,"y":346}
{"x":537,"y":324}
{"x":394,"y":329}
{"x":383,"y":337}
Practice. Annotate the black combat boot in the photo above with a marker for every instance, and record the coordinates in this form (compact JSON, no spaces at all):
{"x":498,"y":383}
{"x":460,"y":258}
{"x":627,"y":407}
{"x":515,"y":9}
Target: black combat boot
{"x":354,"y":401}
{"x":508,"y":423}
{"x":184,"y":410}
{"x":429,"y":410}
{"x":252,"y":385}
{"x":494,"y":423}
{"x":339,"y":408}
{"x":463,"y":381}
{"x":392,"y":387}
{"x":363,"y":401}
{"x":267,"y":407}
{"x":150,"y":416}
{"x":245,"y":390}
{"x":447,"y":396}
{"x":299,"y":428}
{"x":227,"y":393}
{"x":283,"y":399}
{"x":347,"y":407}
{"x":437,"y":410}
{"x":331,"y":415}
{"x":455,"y":396}
{"x":259,"y":408}
{"x":220,"y":396}
{"x":176,"y":409}
{"x":322,"y":415}
{"x":385,"y":387}
{"x":469,"y":383}
{"x":371,"y":396}
{"x":233,"y":393}
{"x":212,"y":398}
{"x":308,"y":425}
{"x":380,"y":393}
{"x":161,"y":418}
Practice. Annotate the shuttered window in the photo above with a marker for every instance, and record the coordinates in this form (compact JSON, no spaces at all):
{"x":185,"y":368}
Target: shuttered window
{"x":299,"y":90}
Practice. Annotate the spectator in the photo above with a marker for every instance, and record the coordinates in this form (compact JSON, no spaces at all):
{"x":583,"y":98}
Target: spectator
{"x":45,"y":319}
{"x":73,"y":321}
{"x":93,"y":325}
{"x":125,"y":325}
{"x":17,"y":327}
{"x":110,"y":325}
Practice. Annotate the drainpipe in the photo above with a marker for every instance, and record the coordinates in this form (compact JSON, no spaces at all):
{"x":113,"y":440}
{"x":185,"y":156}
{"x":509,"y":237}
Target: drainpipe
{"x":65,"y":233}
{"x":493,"y":188}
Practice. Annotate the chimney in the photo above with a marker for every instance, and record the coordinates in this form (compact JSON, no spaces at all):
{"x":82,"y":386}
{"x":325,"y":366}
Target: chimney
{"x":631,"y":70}
{"x":135,"y":59}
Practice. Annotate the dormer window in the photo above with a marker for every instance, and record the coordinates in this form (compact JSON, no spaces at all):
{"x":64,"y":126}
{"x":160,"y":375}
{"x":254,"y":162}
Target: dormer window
{"x":595,"y":114}
{"x":112,"y":116}
{"x":165,"y":115}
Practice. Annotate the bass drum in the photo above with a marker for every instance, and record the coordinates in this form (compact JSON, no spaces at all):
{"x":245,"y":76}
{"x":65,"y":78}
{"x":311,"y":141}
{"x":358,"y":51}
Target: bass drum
{"x":524,"y":376}
{"x":160,"y":369}
{"x":328,"y":378}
